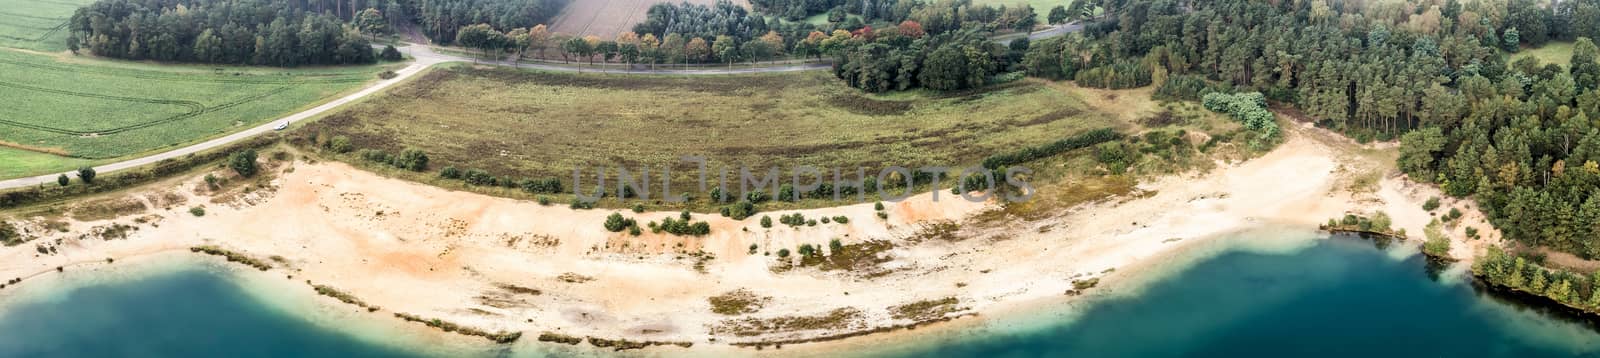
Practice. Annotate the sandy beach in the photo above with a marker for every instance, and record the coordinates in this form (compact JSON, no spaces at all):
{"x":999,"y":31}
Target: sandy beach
{"x":505,"y":265}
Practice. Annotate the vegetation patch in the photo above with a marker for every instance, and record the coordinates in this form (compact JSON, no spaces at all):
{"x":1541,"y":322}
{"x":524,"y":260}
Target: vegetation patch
{"x":108,"y":209}
{"x":342,"y":296}
{"x":837,"y":319}
{"x":737,"y":302}
{"x":497,"y":337}
{"x":559,"y":338}
{"x":863,"y":258}
{"x":571,"y":277}
{"x":622,"y":344}
{"x":925,"y":309}
{"x":232,"y":256}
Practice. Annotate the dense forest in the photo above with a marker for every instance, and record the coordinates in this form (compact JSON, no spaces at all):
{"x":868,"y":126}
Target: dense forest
{"x":942,"y":45}
{"x":1520,"y":136}
{"x":258,"y":32}
{"x":441,"y":19}
{"x":281,"y":33}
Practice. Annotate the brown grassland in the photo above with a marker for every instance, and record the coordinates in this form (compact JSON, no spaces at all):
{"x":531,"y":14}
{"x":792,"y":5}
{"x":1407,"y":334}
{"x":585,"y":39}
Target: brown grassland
{"x":523,"y":124}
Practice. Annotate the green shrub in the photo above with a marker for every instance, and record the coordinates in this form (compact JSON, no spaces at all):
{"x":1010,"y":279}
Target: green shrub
{"x":877,"y":206}
{"x":766,"y":221}
{"x":783,"y":252}
{"x":243,"y":162}
{"x":615,"y":222}
{"x":86,"y":175}
{"x":1432,"y":203}
{"x":63,"y":180}
{"x":834,"y":246}
{"x":411,"y":159}
{"x":638,"y":208}
{"x":340,"y":144}
{"x":807,"y":250}
{"x":579,"y":204}
{"x":544,"y":201}
{"x":198,"y":211}
{"x":450,"y":173}
{"x":841,"y":219}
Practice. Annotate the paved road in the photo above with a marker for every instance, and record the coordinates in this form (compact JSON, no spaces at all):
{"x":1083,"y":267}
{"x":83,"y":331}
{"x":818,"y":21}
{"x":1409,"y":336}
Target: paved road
{"x":425,"y":57}
{"x":423,"y":52}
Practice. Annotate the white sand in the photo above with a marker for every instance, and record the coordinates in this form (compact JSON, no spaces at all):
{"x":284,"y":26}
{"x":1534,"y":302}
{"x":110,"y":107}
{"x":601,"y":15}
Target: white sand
{"x":432,"y":252}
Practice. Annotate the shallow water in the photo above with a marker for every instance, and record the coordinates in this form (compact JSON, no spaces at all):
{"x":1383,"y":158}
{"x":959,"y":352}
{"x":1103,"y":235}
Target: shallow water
{"x":1337,"y":297}
{"x":193,"y":312}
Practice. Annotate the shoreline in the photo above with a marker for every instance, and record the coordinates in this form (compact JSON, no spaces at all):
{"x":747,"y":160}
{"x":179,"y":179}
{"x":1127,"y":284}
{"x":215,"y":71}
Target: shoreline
{"x":439,"y":254}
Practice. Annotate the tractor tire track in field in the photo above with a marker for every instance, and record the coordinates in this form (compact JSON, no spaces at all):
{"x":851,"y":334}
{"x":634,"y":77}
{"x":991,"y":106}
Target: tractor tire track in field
{"x":194,"y":109}
{"x":48,"y":32}
{"x":12,"y":14}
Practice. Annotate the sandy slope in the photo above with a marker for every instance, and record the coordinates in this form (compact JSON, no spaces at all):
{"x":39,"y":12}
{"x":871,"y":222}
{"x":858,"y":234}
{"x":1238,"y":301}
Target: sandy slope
{"x":438,"y":253}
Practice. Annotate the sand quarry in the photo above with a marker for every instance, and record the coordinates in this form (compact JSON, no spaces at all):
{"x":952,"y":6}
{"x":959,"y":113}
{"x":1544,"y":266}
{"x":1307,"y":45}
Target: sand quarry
{"x":505,"y":265}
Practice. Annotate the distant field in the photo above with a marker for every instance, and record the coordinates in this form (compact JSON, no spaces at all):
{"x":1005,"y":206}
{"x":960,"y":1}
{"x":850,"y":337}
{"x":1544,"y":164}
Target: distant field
{"x":607,"y":18}
{"x":38,"y":25}
{"x":1559,"y":53}
{"x":16,"y":163}
{"x":524,"y":124}
{"x":1040,"y":7}
{"x":94,"y":109}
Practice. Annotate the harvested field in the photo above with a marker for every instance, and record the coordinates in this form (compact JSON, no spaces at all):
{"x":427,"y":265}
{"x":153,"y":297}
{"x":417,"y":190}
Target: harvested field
{"x":607,"y":18}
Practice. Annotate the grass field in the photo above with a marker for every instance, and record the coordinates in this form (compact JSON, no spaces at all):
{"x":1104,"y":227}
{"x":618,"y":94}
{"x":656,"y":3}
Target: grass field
{"x":92,"y":109}
{"x":19,"y":163}
{"x":1040,"y":7}
{"x":1559,"y":53}
{"x":38,"y":25}
{"x":524,"y":124}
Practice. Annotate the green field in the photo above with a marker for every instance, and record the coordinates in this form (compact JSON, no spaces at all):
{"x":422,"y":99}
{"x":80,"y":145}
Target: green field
{"x":19,"y":163}
{"x":1559,"y":53}
{"x":92,"y":109}
{"x":38,"y":25}
{"x":1040,"y":7}
{"x":525,"y":124}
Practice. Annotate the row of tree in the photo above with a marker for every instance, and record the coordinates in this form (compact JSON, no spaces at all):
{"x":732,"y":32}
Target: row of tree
{"x":258,"y":32}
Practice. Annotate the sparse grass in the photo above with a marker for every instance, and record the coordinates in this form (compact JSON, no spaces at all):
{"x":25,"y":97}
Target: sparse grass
{"x":925,"y":309}
{"x":78,"y":108}
{"x":545,"y":125}
{"x":832,"y":320}
{"x":1559,"y":53}
{"x":737,"y":302}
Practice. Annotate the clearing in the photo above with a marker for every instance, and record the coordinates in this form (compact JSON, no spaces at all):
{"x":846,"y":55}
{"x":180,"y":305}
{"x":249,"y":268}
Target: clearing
{"x":90,"y":109}
{"x":39,"y":25}
{"x":526,"y":124}
{"x":1559,"y":53}
{"x":607,"y":18}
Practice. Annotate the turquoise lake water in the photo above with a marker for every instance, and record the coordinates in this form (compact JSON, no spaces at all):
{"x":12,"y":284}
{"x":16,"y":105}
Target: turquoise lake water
{"x":1334,"y":298}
